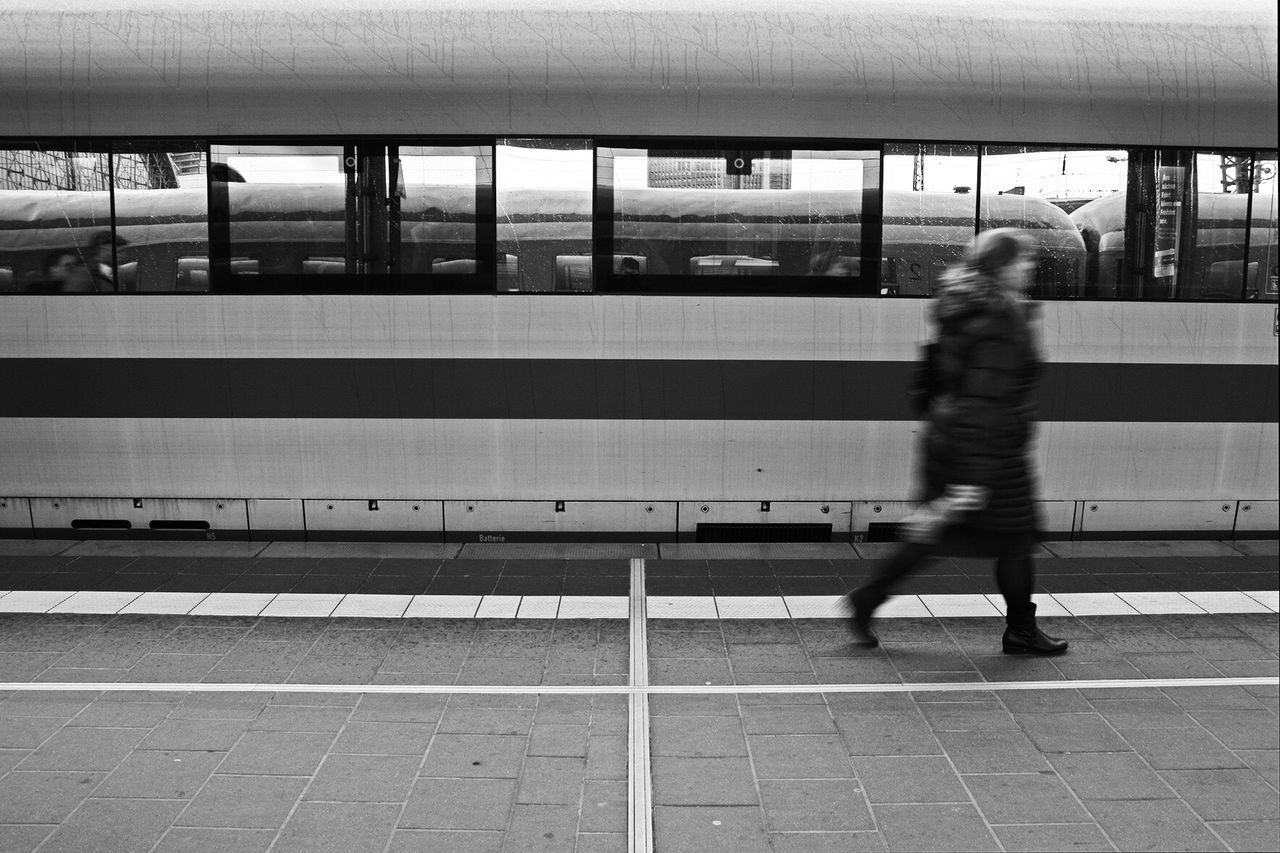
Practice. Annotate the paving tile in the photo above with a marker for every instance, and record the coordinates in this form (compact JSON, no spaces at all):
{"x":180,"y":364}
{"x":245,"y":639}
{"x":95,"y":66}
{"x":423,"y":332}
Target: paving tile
{"x":788,"y":719}
{"x":23,"y":839}
{"x":799,"y":757}
{"x":1249,"y":834}
{"x":486,"y":721}
{"x":1110,"y":776}
{"x":1225,"y":794}
{"x":475,"y":756}
{"x":398,"y":709}
{"x":543,"y":828}
{"x":1070,"y":733}
{"x":277,"y":753}
{"x":187,"y":839}
{"x":1152,"y":825}
{"x":26,"y":732}
{"x":992,"y":752}
{"x":604,"y":806}
{"x":459,"y":804}
{"x":338,"y":828}
{"x":555,"y":739}
{"x":909,"y":779}
{"x":247,"y":802}
{"x":452,"y":841}
{"x":160,"y":774}
{"x":1034,"y":838}
{"x":929,"y":827}
{"x":117,"y":825}
{"x":697,"y":736}
{"x":1181,"y":749}
{"x":826,"y":842}
{"x":1156,"y":712}
{"x":1242,"y":729}
{"x":43,"y":796}
{"x":1005,"y":798}
{"x":607,"y":756}
{"x":551,"y":781}
{"x":84,"y":748}
{"x":300,"y":718}
{"x":709,"y":829}
{"x":819,"y":805}
{"x":679,"y":781}
{"x":887,"y":734}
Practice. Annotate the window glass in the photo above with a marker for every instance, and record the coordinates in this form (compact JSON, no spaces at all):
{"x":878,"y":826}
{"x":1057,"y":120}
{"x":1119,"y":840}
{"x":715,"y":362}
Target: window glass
{"x":770,"y":220}
{"x":930,"y":213}
{"x":1262,"y":275}
{"x":544,"y":214}
{"x":285,"y":205}
{"x":162,"y":216}
{"x":1215,"y":264}
{"x":1039,"y":190}
{"x":437,"y":195}
{"x":55,"y":219}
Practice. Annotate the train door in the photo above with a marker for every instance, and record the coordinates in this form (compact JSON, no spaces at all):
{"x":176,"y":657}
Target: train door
{"x":362,"y":217}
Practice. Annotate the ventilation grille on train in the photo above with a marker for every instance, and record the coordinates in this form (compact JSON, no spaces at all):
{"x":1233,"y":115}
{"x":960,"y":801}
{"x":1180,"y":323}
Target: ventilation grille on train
{"x":764,"y":533}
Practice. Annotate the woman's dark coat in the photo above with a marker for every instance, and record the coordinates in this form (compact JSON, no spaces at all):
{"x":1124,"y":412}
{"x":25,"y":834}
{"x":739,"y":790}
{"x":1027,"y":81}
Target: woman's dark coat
{"x":976,"y":391}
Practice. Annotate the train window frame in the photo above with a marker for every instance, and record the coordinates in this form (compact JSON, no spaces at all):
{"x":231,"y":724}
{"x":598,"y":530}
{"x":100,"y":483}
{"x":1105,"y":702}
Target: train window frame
{"x":480,"y":278}
{"x":608,"y":281}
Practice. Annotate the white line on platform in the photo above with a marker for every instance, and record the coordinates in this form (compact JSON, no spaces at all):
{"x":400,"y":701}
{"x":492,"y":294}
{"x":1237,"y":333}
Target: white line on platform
{"x":103,"y":603}
{"x":626,"y":690}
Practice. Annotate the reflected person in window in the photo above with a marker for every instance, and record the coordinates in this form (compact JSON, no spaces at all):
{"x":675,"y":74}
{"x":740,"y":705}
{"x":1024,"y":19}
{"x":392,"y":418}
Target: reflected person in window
{"x":101,"y":261}
{"x":64,"y":272}
{"x":975,"y":389}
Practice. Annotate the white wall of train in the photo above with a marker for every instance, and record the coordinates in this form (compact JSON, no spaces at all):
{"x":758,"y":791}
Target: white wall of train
{"x":499,"y":479}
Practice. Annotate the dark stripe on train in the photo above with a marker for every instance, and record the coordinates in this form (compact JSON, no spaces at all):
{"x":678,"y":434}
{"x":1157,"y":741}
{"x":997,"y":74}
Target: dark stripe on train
{"x":596,"y":389}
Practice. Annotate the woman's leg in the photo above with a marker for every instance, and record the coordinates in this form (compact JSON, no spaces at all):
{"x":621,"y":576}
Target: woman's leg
{"x":1015,"y":576}
{"x":908,"y":558}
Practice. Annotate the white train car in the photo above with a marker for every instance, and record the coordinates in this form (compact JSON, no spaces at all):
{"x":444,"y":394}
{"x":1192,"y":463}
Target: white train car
{"x":503,"y":271}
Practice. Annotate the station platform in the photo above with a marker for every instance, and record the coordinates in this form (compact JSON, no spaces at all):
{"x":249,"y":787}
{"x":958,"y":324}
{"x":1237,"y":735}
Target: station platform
{"x":184,"y":696}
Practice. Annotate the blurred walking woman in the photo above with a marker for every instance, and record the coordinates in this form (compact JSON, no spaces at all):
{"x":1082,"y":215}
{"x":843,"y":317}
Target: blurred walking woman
{"x":975,"y":389}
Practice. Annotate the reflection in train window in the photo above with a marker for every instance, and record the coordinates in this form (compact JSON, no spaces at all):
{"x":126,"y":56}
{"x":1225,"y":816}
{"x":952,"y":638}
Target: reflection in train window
{"x":284,"y":204}
{"x":162,"y":212}
{"x":1264,"y":274}
{"x":739,"y":216}
{"x":55,"y":204}
{"x":544,"y":212}
{"x":1037,"y":189}
{"x":437,"y":190}
{"x":930,"y":211}
{"x":1215,"y":266}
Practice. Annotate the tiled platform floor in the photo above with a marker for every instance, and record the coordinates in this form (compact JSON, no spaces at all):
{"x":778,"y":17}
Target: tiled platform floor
{"x":257,"y":733}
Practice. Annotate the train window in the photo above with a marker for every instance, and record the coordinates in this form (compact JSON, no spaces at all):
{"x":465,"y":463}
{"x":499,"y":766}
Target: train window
{"x":1215,"y":264}
{"x":543,"y":191}
{"x":355,"y":218}
{"x":440,"y":191}
{"x":930,"y":213}
{"x":1037,"y":189}
{"x":1261,"y":281}
{"x":284,"y":204}
{"x":735,"y":219}
{"x":55,"y":206}
{"x":162,"y":213}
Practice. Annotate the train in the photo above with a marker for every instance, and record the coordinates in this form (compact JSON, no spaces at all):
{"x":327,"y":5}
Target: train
{"x":713,"y":350}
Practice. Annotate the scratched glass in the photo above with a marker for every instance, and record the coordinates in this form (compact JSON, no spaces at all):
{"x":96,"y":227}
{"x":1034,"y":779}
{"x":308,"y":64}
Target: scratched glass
{"x":744,"y":213}
{"x":162,"y":216}
{"x":930,"y":211}
{"x":544,"y":214}
{"x":54,"y":201}
{"x":1037,"y":190}
{"x":1263,"y":275}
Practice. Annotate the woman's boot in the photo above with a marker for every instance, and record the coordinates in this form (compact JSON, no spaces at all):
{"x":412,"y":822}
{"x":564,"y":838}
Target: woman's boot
{"x":1022,"y":637}
{"x":863,"y":602}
